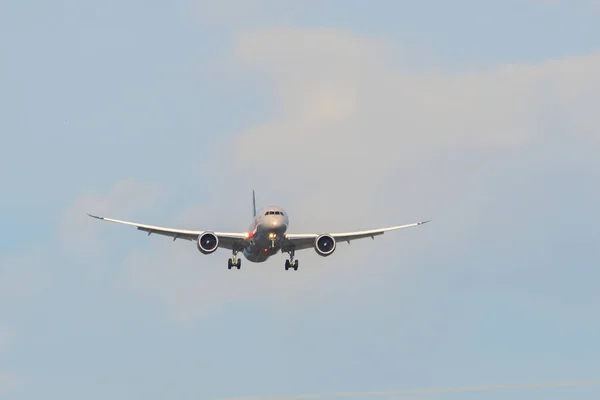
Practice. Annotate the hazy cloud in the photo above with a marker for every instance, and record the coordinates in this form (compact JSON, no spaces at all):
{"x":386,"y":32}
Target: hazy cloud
{"x":6,"y":338}
{"x":23,"y":276}
{"x":358,"y":139}
{"x":8,"y":382}
{"x":250,"y":13}
{"x":428,"y":391}
{"x":244,"y":14}
{"x":78,"y":233}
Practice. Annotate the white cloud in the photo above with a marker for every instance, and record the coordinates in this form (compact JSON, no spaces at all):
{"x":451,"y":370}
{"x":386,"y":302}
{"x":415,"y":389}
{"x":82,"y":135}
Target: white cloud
{"x":79,"y":234}
{"x":23,"y":276}
{"x":190,"y":285}
{"x":7,"y":336}
{"x":245,"y":13}
{"x":9,"y":382}
{"x":341,"y":87}
{"x":570,"y":3}
{"x":360,"y":139}
{"x":355,"y":126}
{"x":27,"y":276}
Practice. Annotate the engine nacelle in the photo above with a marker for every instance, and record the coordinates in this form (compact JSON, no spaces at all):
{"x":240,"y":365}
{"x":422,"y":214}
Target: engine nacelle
{"x":208,"y":243}
{"x":325,"y":245}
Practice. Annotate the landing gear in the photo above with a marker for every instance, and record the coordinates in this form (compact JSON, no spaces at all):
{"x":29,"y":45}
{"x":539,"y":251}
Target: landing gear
{"x":234,"y":261}
{"x":292,"y":262}
{"x":234,"y":264}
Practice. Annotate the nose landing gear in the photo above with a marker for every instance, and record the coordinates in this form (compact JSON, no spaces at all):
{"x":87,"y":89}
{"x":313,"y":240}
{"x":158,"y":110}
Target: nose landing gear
{"x":292,"y":262}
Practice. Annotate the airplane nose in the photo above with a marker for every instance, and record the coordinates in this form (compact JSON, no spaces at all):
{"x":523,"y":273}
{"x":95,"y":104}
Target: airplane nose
{"x":276,"y":224}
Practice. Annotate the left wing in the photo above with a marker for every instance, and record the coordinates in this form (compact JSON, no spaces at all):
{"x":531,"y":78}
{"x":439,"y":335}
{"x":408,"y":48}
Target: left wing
{"x":226,"y":240}
{"x":306,"y":241}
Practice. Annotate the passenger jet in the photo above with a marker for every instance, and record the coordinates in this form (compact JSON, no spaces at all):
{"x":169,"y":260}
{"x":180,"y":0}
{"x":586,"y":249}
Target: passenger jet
{"x":267,"y":236}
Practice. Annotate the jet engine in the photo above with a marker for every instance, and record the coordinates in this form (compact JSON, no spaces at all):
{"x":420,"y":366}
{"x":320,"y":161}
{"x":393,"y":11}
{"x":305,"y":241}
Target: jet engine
{"x":208,"y":243}
{"x":325,"y":245}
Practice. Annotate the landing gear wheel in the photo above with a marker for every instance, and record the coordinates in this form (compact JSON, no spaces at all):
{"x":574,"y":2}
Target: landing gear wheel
{"x":229,"y":264}
{"x":291,"y":264}
{"x":239,"y":263}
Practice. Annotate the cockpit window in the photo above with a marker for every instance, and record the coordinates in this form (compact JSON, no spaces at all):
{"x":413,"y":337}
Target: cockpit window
{"x":273,"y":213}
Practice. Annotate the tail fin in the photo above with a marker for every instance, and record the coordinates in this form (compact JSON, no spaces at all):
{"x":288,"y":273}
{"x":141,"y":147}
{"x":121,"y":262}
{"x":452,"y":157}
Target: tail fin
{"x":253,"y":203}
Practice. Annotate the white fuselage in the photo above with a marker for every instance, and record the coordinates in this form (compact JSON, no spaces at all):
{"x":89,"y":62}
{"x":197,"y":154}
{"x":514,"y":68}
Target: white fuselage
{"x":266,"y":234}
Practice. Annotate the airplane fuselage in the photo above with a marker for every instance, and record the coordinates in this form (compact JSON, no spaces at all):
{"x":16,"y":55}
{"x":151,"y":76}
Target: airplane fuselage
{"x":266,"y":234}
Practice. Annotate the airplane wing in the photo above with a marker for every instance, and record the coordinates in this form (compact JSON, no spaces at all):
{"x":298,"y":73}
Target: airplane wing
{"x":226,"y":240}
{"x":307,"y":241}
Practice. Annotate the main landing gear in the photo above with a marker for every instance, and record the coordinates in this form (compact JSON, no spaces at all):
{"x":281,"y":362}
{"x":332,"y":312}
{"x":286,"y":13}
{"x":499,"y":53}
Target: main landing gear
{"x":234,"y":261}
{"x":292,"y":262}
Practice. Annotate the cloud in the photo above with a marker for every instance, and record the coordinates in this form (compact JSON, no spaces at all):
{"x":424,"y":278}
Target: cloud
{"x":590,"y":3}
{"x":9,"y":382}
{"x":353,"y":126}
{"x":6,"y":338}
{"x":190,"y":285}
{"x":420,"y":392}
{"x":79,"y":235}
{"x":247,"y":13}
{"x":23,"y":276}
{"x":341,"y":87}
{"x":26,"y":278}
{"x":359,"y":138}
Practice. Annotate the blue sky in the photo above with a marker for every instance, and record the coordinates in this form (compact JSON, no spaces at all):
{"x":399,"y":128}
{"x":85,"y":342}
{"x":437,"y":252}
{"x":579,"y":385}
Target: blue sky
{"x":479,"y":115}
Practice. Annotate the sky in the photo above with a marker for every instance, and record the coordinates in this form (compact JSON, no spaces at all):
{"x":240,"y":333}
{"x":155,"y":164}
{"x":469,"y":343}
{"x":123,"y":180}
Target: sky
{"x":481,"y":116}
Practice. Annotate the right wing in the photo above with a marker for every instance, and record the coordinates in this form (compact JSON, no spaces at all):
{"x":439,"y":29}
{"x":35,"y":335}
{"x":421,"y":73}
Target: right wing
{"x":306,"y":241}
{"x":226,"y":240}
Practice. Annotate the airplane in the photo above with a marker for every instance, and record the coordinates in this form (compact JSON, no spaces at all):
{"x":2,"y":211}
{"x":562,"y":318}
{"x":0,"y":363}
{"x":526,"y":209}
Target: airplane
{"x":267,"y":236}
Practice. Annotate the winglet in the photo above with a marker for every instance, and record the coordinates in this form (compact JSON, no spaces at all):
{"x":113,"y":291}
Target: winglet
{"x":95,"y":216}
{"x":423,"y":222}
{"x":253,"y":203}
